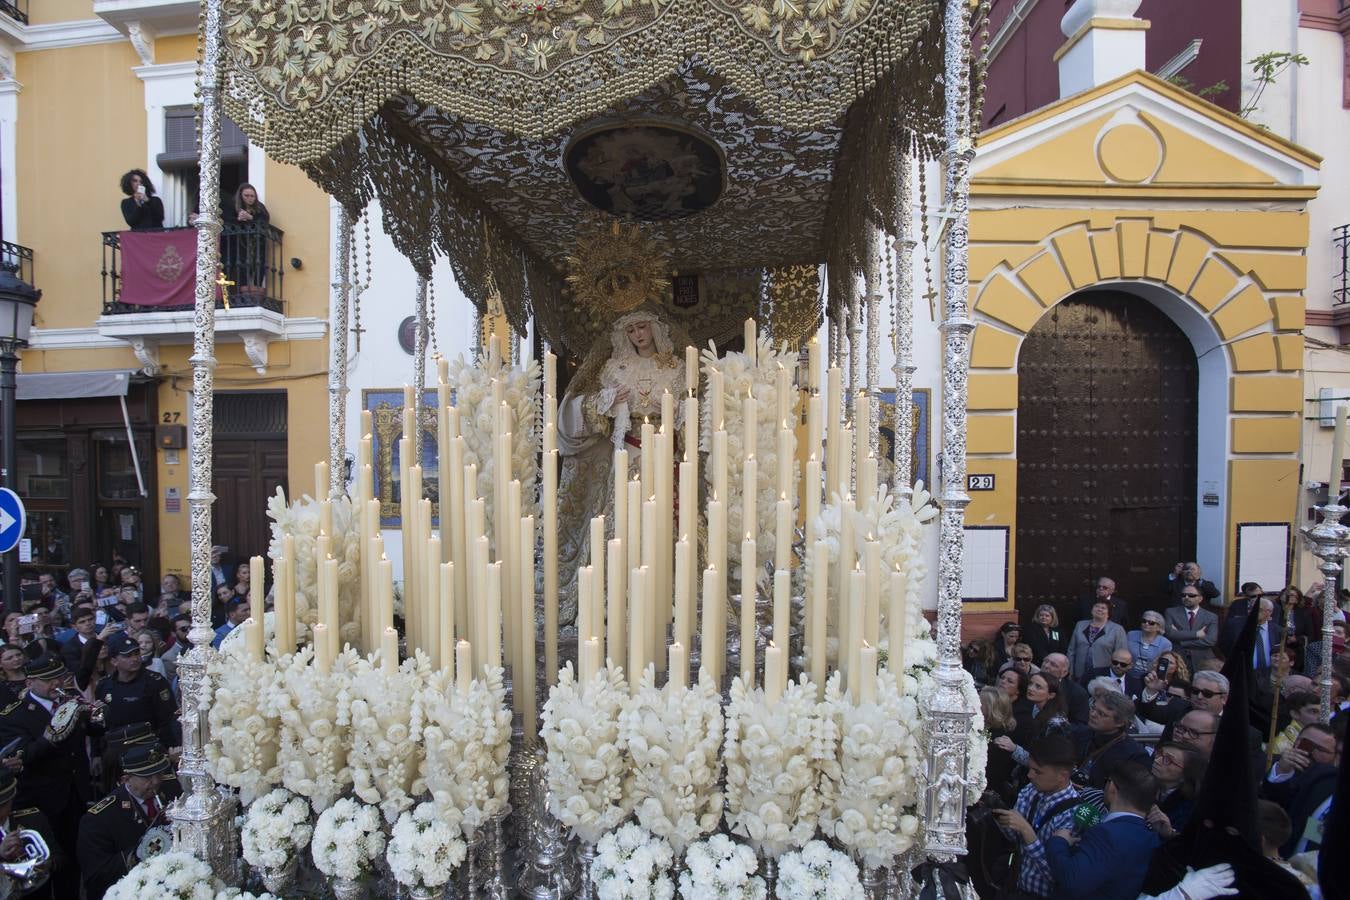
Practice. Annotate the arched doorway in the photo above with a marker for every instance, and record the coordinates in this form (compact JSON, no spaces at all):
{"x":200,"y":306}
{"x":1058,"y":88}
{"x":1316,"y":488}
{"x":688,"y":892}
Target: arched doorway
{"x":1106,"y":452}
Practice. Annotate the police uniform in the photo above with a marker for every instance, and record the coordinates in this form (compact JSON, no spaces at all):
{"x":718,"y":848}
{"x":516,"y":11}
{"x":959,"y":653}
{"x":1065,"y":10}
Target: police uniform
{"x":111,"y":832}
{"x":145,"y":698}
{"x":29,"y":819}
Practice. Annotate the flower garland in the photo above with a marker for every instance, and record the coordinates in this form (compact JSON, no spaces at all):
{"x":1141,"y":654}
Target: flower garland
{"x":586,"y":768}
{"x":673,"y":737}
{"x":425,"y":846}
{"x":872,"y":794}
{"x":720,"y":868}
{"x":244,"y":726}
{"x":316,"y":734}
{"x":347,"y":839}
{"x":474,"y":398}
{"x":632,"y":864}
{"x":276,"y":828}
{"x":817,"y":872}
{"x":387,"y":750}
{"x":167,"y":876}
{"x":760,"y":379}
{"x":467,"y":739}
{"x":774,"y":756}
{"x":300,"y":519}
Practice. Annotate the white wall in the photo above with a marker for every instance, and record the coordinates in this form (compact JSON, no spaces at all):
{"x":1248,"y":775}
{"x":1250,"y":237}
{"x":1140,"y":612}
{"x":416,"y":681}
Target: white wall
{"x":1271,"y":26}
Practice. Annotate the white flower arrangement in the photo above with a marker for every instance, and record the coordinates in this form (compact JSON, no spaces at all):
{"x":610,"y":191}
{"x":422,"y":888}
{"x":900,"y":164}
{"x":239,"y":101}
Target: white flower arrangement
{"x":245,"y":730}
{"x":774,"y":757}
{"x":586,"y":767}
{"x":632,"y":864}
{"x":468,"y":740}
{"x":897,"y":523}
{"x":721,"y":869}
{"x":425,"y":846}
{"x":817,"y":872}
{"x":386,"y":757}
{"x":872,"y":795}
{"x":673,"y":737}
{"x":167,"y":876}
{"x":276,"y":828}
{"x":234,"y":893}
{"x":300,"y":519}
{"x":316,"y":734}
{"x":739,"y":376}
{"x":347,"y":839}
{"x":477,"y":424}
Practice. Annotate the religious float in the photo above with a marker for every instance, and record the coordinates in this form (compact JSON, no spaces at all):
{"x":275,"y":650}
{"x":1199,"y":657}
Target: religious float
{"x":660,"y":627}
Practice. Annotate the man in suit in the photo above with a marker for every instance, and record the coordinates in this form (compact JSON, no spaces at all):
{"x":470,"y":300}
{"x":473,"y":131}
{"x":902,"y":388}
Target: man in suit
{"x":1303,"y":779}
{"x":112,"y":831}
{"x":1075,"y":695}
{"x":1121,"y":675}
{"x":1094,"y":640}
{"x":1192,"y":630}
{"x":1105,"y":590}
{"x":1189,"y":575}
{"x":1110,"y":860}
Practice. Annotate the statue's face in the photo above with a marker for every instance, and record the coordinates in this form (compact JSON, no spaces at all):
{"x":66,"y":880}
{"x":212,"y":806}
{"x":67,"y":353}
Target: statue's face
{"x":640,"y":333}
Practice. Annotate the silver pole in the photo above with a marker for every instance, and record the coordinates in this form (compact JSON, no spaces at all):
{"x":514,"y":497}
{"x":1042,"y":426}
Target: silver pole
{"x":903,"y":369}
{"x":872,"y":279}
{"x":1329,"y":539}
{"x":203,"y":818}
{"x":949,"y":715}
{"x":337,"y":357}
{"x":419,"y":366}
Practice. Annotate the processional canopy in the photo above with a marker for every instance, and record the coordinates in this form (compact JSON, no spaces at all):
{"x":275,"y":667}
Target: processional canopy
{"x":757,"y":137}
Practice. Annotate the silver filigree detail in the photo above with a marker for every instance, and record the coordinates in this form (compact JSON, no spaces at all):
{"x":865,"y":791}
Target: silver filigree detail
{"x":337,"y":356}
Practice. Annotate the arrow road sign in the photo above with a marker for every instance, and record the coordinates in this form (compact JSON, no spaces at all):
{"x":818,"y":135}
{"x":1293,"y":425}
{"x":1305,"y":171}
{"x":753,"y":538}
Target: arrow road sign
{"x":12,"y":520}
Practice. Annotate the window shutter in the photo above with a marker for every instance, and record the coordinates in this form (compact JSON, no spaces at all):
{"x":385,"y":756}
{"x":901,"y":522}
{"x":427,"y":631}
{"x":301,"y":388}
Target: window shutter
{"x":180,"y":140}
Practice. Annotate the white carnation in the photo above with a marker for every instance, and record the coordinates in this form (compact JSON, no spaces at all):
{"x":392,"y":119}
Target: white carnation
{"x":276,"y":828}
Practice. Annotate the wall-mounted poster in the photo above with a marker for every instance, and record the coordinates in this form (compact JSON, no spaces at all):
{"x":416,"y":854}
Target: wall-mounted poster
{"x":920,"y":420}
{"x":386,"y":413}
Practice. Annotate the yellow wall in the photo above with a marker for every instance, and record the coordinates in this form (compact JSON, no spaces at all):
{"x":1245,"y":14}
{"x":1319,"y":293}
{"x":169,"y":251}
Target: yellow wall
{"x":175,"y":48}
{"x":300,"y":210}
{"x":45,"y":12}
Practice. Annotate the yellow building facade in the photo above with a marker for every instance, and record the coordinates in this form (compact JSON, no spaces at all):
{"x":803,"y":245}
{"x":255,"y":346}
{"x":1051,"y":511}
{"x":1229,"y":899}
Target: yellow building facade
{"x":90,"y":91}
{"x":1139,"y":190}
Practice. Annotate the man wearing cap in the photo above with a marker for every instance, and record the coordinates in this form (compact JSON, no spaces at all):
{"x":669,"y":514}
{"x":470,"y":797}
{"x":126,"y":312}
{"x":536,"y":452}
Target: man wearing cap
{"x":135,"y":694}
{"x":239,"y":610}
{"x":111,"y":833}
{"x":12,"y":847}
{"x":55,"y":775}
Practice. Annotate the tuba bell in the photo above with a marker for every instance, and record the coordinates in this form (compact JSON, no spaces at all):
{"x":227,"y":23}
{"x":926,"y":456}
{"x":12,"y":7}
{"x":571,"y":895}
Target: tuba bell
{"x":31,"y":871}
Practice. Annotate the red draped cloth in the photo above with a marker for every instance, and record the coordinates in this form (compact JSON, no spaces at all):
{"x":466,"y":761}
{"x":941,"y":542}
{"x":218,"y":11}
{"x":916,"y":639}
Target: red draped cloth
{"x":159,"y":268}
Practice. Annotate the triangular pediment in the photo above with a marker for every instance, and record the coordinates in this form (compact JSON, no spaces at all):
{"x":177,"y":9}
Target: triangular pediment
{"x":1139,"y":131}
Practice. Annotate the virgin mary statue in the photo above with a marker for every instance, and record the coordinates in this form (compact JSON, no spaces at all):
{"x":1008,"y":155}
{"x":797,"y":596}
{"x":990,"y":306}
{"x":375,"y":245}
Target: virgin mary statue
{"x":618,"y":387}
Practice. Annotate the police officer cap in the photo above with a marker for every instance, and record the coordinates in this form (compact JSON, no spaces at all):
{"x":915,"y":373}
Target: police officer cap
{"x":121,"y":645}
{"x":135,"y":733}
{"x":146,"y":760}
{"x":46,"y":667}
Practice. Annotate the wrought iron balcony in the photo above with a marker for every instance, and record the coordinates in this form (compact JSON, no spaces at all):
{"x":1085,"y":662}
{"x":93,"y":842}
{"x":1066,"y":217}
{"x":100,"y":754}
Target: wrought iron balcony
{"x":17,"y":259}
{"x":16,"y":10}
{"x":1340,"y":288}
{"x":250,"y":262}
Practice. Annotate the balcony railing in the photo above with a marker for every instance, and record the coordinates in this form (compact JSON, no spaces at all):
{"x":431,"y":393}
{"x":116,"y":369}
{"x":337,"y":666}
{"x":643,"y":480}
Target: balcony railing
{"x":15,"y":9}
{"x":17,"y":259}
{"x":250,"y":260}
{"x":1340,"y":288}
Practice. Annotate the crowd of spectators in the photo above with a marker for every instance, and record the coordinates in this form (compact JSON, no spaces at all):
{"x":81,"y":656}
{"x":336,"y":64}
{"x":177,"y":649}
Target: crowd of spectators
{"x":89,"y":712}
{"x":1102,"y":742}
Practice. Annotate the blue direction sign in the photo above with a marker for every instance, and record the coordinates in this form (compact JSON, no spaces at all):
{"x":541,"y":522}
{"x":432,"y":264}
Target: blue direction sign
{"x":12,"y":520}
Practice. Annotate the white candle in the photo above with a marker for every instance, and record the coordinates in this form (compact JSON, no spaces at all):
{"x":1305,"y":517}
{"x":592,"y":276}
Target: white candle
{"x":811,"y":488}
{"x":320,"y":480}
{"x":717,"y":535}
{"x":787,"y":458}
{"x":323,"y":650}
{"x":590,"y":660}
{"x":326,"y":517}
{"x":253,"y":639}
{"x":720,"y":464}
{"x":684,"y":607}
{"x":691,"y":429}
{"x":867,"y":666}
{"x":585,"y":626}
{"x":815,"y":424}
{"x":596,"y":598}
{"x":750,"y":501}
{"x":648,"y":590}
{"x":833,"y":424}
{"x":389,"y":649}
{"x":281,"y":608}
{"x":679,"y":665}
{"x":617,"y":607}
{"x":872,"y":573}
{"x":285,"y":627}
{"x":550,"y":374}
{"x":896,"y":622}
{"x":782,"y":615}
{"x":718,"y":408}
{"x":711,"y":610}
{"x":447,"y":636}
{"x":856,"y":581}
{"x":633,"y":542}
{"x":750,"y":341}
{"x":637,"y":624}
{"x":511,"y":586}
{"x":493,"y":651}
{"x":431,"y":639}
{"x":783,"y":528}
{"x":620,"y":493}
{"x":257,"y":580}
{"x":550,"y":554}
{"x":775,"y":676}
{"x":691,"y":369}
{"x":1337,"y":454}
{"x":748,"y":571}
{"x":750,"y":425}
{"x":868,"y":480}
{"x":783,"y":388}
{"x":818,"y":604}
{"x":463,"y":666}
{"x":386,"y":588}
{"x":524,"y":684}
{"x":813,"y":357}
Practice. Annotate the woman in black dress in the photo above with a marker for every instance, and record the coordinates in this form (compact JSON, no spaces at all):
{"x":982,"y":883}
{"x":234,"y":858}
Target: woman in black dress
{"x":1044,"y":635}
{"x":142,"y":210}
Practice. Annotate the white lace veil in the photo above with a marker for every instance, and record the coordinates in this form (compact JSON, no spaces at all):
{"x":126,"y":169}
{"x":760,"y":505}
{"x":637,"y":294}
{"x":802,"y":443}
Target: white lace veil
{"x":623,"y":347}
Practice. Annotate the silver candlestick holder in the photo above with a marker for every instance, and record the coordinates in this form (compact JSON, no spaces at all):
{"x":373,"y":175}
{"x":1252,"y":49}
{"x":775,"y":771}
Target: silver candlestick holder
{"x":494,"y":866}
{"x":1329,"y":539}
{"x":546,"y":874}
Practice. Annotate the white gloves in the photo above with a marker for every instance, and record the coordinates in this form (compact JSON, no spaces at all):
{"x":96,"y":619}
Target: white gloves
{"x":1202,"y":884}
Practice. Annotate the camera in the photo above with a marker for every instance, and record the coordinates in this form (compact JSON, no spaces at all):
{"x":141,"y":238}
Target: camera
{"x":984,"y":810}
{"x":27,"y":624}
{"x":107,"y":600}
{"x":1163,"y":666}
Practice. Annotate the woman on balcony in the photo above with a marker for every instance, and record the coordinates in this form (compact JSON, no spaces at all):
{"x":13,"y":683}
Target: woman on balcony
{"x":245,"y":244}
{"x":141,"y":208}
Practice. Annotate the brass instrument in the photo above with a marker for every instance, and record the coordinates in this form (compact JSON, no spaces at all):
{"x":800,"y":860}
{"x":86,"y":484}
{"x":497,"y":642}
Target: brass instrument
{"x":71,"y":705}
{"x":31,"y":871}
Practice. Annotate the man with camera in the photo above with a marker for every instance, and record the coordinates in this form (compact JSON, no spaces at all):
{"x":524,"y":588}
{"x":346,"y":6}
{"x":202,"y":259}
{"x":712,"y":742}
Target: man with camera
{"x":1043,"y":807}
{"x":1303,"y":780}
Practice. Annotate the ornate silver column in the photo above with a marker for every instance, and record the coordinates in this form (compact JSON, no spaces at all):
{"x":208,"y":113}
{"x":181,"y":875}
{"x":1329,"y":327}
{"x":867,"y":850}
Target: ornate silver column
{"x":903,"y":369}
{"x":949,"y":714}
{"x":419,"y":364}
{"x":872,"y":280}
{"x":203,"y":818}
{"x":1330,"y":540}
{"x":337,"y":356}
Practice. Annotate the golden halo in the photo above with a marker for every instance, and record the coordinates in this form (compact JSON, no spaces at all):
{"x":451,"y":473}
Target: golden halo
{"x":616,"y":269}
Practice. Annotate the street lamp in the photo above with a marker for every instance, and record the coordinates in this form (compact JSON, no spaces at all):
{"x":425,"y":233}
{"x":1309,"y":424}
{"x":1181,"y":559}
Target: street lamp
{"x":18,"y":299}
